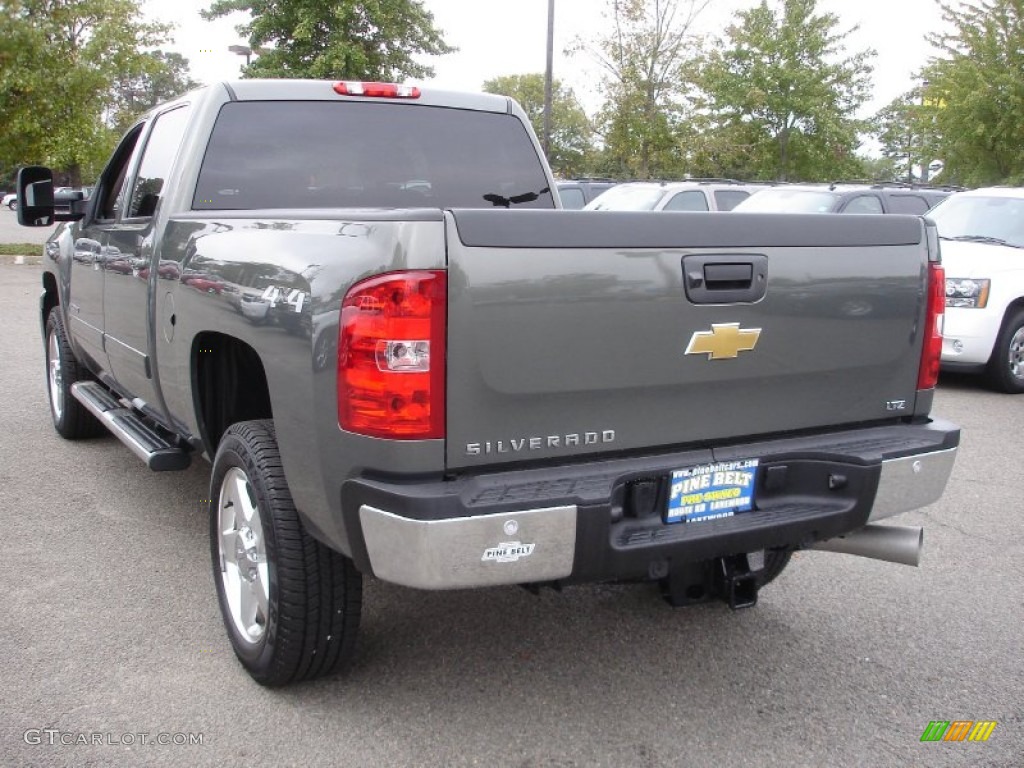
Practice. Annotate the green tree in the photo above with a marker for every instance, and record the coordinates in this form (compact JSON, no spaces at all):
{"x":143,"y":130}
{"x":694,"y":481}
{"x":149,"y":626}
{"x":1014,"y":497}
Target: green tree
{"x":58,"y":59}
{"x":781,"y":93}
{"x":644,"y":59}
{"x":165,"y":77}
{"x":907,"y":138}
{"x":337,"y":39}
{"x":570,"y":129}
{"x":974,"y":99}
{"x":880,"y":169}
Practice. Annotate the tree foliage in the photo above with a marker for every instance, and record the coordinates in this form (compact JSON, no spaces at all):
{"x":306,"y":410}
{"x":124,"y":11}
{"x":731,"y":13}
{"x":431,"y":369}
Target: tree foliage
{"x":58,"y":59}
{"x":644,"y":59}
{"x":781,"y":95}
{"x":571,"y":133}
{"x":906,"y":138}
{"x":974,"y":99}
{"x":337,"y":39}
{"x":166,"y":77}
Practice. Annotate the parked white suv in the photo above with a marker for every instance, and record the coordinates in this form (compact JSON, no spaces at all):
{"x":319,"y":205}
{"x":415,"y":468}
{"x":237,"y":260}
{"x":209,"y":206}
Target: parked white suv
{"x":982,"y":234}
{"x":691,"y":195}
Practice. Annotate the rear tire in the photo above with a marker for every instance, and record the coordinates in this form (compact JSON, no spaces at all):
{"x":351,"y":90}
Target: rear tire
{"x":775,"y":562}
{"x":70,"y":418}
{"x":291,"y":605}
{"x":1006,"y":368}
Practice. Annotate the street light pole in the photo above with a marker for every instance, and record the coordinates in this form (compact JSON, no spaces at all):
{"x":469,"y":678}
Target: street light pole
{"x":925,"y":163}
{"x":547,"y":78}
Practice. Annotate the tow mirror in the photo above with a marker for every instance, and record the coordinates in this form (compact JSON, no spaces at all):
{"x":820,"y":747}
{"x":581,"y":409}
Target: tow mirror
{"x":35,"y":196}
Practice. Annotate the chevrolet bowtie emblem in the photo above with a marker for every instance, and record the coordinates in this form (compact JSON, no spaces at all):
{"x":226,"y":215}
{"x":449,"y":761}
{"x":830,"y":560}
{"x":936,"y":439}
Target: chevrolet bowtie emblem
{"x":724,"y":341}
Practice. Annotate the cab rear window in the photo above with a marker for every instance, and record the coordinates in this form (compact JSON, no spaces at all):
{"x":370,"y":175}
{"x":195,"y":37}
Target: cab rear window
{"x":279,"y":154}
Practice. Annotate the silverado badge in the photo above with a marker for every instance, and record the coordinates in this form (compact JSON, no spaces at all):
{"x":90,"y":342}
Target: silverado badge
{"x":724,"y":341}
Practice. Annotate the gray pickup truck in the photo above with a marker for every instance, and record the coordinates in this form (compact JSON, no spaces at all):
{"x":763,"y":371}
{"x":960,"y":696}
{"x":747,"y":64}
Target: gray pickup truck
{"x":361,"y":303}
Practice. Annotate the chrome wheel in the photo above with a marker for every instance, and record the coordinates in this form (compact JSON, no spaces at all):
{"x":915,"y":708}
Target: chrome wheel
{"x":55,"y":378}
{"x":243,"y":556}
{"x":1015,"y":354}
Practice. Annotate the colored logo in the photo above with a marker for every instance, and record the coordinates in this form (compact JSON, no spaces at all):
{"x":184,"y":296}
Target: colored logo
{"x":724,"y":341}
{"x":958,"y":730}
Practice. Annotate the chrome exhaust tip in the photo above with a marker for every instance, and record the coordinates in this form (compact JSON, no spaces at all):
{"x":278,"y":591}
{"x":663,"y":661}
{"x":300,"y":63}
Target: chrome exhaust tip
{"x":892,"y":543}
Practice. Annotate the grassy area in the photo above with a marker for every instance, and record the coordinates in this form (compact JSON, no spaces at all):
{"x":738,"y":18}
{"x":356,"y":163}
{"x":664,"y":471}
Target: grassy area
{"x":20,"y":249}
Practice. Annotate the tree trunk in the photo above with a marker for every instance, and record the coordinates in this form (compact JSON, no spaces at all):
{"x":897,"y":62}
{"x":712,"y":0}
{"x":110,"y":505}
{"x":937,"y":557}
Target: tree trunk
{"x":74,"y":175}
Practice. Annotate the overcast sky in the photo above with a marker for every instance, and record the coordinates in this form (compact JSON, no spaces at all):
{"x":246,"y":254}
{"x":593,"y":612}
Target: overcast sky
{"x":505,"y":37}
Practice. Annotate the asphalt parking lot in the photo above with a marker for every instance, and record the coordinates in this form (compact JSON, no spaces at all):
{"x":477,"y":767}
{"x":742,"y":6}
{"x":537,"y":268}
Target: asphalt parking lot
{"x":12,"y":232}
{"x":112,"y":634}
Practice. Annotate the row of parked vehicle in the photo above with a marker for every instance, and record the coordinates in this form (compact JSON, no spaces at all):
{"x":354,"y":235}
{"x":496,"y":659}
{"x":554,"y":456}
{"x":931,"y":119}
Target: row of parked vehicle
{"x":982,"y":250}
{"x":729,"y":195}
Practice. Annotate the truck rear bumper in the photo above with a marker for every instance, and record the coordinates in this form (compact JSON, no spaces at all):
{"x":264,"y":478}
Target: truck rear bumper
{"x":603,"y":520}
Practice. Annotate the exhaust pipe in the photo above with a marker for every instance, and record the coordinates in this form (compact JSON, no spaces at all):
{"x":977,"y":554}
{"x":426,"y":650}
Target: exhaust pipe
{"x":892,"y":543}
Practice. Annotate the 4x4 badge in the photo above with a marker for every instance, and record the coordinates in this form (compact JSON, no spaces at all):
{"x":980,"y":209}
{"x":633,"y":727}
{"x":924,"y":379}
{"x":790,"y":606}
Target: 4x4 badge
{"x":724,"y":341}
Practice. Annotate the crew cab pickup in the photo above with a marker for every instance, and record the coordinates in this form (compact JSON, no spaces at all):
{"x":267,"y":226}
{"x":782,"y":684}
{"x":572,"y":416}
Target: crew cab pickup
{"x":361,"y":303}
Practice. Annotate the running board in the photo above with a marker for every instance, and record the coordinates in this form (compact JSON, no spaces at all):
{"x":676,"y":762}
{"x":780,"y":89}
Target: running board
{"x":130,"y":428}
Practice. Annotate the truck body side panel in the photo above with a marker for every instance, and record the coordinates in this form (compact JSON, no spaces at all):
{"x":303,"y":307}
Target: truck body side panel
{"x":278,"y":286}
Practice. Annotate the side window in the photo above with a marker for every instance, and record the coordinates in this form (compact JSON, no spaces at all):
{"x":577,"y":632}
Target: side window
{"x":110,"y":190}
{"x":908,"y":204}
{"x":727,"y":199}
{"x":863,"y":204}
{"x":692,"y":200}
{"x":572,"y":198}
{"x":161,"y":148}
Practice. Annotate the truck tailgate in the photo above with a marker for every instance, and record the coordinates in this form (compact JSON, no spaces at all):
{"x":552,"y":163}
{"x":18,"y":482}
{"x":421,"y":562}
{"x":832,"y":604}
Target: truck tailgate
{"x":575,"y":333}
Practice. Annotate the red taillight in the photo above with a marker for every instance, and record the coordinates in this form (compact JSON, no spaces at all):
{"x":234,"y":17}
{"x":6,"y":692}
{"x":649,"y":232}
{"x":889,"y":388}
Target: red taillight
{"x":378,"y":90}
{"x":391,"y":356}
{"x":931,"y":351}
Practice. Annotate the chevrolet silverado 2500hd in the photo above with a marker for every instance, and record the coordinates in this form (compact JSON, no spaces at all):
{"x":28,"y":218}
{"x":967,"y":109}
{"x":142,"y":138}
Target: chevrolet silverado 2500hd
{"x":361,"y":303}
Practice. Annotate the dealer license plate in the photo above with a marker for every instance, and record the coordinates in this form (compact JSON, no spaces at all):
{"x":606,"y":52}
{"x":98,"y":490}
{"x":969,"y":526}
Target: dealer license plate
{"x":711,"y":491}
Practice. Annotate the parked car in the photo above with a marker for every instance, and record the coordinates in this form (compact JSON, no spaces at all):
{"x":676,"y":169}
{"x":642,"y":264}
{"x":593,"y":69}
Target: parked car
{"x":576,"y":193}
{"x":844,"y":198}
{"x":982,"y":233}
{"x":692,"y":195}
{"x":11,"y":200}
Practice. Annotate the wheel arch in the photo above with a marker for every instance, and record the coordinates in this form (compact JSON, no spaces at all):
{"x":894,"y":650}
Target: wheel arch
{"x":49,"y":299}
{"x":1009,"y":312}
{"x":229,"y":384}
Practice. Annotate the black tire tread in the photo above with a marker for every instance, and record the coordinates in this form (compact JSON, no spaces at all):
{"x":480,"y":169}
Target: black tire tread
{"x":999,"y":376}
{"x":319,"y":591}
{"x":76,"y":423}
{"x":775,"y":562}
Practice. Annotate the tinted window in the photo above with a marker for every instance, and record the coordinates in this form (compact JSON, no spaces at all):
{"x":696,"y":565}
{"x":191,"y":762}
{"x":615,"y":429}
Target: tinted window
{"x":161,"y":148}
{"x":572,"y":197}
{"x":863,"y":204}
{"x":277,"y":154}
{"x":908,"y":204}
{"x":692,"y":200}
{"x":727,"y":199}
{"x":112,"y":182}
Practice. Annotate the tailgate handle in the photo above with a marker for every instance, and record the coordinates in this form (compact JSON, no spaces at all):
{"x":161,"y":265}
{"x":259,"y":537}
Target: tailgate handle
{"x":722,"y":277}
{"x":725,"y":279}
